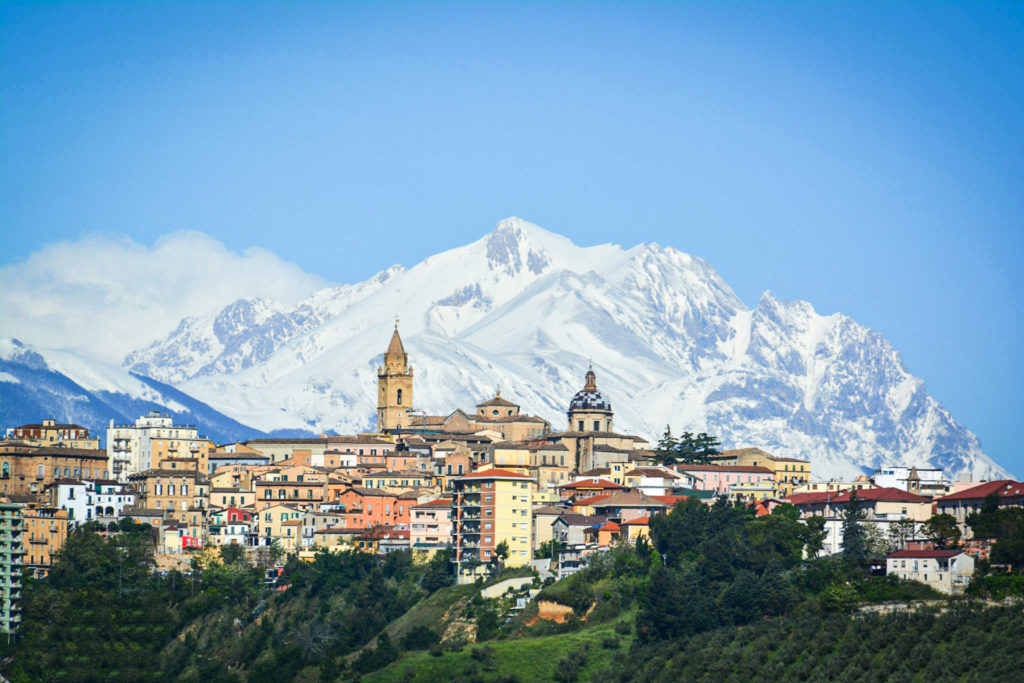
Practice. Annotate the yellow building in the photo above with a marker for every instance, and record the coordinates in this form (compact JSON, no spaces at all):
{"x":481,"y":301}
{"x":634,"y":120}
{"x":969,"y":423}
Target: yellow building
{"x":182,"y":453}
{"x":281,"y":522}
{"x":491,"y":507}
{"x":789,"y":473}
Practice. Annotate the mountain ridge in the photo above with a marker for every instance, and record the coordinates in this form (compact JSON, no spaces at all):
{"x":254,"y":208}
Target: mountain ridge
{"x":526,"y":309}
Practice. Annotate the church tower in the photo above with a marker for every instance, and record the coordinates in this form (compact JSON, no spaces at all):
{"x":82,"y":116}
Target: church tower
{"x":588,"y":409}
{"x":394,"y":387}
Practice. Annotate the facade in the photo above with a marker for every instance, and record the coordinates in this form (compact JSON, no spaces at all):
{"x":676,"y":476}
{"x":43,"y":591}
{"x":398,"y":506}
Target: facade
{"x":969,"y":500}
{"x":301,"y":487}
{"x":52,"y":433}
{"x":789,"y":473}
{"x":882,"y":507}
{"x":130,"y":448}
{"x":947,"y":571}
{"x":722,"y":478}
{"x":183,"y":495}
{"x":488,"y":508}
{"x":87,"y":501}
{"x":45,"y":531}
{"x":430,"y":525}
{"x":29,"y":469}
{"x":925,"y":481}
{"x":12,"y":551}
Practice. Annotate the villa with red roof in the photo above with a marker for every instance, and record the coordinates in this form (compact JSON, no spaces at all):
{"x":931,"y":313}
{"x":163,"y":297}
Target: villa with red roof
{"x":968,"y":501}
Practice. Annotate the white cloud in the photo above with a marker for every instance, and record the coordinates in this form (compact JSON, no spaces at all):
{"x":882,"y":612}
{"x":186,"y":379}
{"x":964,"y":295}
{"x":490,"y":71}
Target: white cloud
{"x":107,"y":296}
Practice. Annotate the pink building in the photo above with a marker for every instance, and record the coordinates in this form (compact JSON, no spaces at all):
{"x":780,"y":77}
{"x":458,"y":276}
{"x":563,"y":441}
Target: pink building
{"x":430,"y":525}
{"x":720,"y":478}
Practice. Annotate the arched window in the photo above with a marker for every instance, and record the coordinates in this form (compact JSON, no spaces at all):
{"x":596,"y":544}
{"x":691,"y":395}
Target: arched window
{"x":110,"y":511}
{"x":399,"y":397}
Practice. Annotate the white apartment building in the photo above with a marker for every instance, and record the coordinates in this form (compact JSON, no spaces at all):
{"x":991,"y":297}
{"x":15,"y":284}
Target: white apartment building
{"x":130,"y":447}
{"x":87,"y":501}
{"x":925,"y":481}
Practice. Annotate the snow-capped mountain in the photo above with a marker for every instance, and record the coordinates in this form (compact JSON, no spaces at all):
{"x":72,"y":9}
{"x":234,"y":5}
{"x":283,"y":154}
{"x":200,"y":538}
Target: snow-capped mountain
{"x":526,"y":310}
{"x":36,"y":383}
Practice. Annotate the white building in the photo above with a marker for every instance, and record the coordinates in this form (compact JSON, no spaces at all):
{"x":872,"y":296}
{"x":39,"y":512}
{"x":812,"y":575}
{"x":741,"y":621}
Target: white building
{"x":925,"y":481}
{"x":87,"y":501}
{"x":947,"y":571}
{"x":130,"y":447}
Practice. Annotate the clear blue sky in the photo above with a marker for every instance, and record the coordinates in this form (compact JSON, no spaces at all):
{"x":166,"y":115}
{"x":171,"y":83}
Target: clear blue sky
{"x":867,"y":157}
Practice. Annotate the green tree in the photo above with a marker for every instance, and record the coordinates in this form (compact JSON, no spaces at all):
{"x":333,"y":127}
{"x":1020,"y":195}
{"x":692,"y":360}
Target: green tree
{"x":665,"y":451}
{"x":814,"y":536}
{"x":548,"y":549}
{"x":500,"y":555}
{"x":1009,"y":548}
{"x":942,"y":530}
{"x":233,"y":554}
{"x":855,"y":549}
{"x":900,"y":532}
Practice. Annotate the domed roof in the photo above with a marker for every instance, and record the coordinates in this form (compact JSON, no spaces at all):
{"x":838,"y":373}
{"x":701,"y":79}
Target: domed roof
{"x":589,"y":398}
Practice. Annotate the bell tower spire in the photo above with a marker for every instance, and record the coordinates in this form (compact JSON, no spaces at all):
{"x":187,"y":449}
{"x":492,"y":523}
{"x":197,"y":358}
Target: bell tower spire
{"x":394,"y":386}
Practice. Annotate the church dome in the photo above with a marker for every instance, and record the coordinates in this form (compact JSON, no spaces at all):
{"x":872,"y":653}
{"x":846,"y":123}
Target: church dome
{"x":589,"y":398}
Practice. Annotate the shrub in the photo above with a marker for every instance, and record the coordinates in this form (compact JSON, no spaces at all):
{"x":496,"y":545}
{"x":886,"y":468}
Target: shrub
{"x":419,"y":638}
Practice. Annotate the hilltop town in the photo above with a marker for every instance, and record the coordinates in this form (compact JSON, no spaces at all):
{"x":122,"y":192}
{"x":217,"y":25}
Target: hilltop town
{"x":488,"y":494}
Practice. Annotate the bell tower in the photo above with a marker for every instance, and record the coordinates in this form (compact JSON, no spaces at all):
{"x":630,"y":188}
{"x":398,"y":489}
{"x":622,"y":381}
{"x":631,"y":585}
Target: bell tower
{"x":394,"y":386}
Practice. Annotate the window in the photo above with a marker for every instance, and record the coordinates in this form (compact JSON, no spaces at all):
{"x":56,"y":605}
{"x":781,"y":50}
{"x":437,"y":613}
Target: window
{"x":159,"y":489}
{"x":579,"y":424}
{"x":399,"y":397}
{"x":597,"y":425}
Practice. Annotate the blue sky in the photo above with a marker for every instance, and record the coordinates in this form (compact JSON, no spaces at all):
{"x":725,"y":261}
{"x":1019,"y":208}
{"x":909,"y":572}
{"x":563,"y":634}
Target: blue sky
{"x":867,"y":157}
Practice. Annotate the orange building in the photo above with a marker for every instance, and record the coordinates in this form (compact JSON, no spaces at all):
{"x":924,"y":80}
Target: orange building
{"x":45,"y":531}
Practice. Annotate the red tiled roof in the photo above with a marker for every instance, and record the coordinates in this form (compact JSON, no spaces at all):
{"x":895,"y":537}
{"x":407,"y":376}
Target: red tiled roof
{"x":439,"y":503}
{"x":639,"y":521}
{"x":493,"y":474}
{"x":1004,"y":487}
{"x":925,"y":553}
{"x":609,"y":526}
{"x":882,"y":493}
{"x":597,"y":483}
{"x":593,"y":499}
{"x":669,"y":500}
{"x":811,"y":498}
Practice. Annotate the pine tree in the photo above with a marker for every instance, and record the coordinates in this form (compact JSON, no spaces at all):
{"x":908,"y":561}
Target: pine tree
{"x":854,"y":539}
{"x":666,"y":450}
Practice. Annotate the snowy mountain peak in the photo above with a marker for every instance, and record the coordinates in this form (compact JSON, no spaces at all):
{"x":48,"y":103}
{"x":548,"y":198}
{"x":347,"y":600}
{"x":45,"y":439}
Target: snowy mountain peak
{"x":527,"y":309}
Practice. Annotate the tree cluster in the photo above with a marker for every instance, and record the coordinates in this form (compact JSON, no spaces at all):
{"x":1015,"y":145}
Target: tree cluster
{"x":688,"y":449}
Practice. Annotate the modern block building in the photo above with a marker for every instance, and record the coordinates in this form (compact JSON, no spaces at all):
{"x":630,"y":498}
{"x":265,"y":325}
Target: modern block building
{"x":490,"y":507}
{"x":12,"y":549}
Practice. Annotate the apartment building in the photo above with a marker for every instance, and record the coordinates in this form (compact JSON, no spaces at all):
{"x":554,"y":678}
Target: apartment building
{"x":488,"y":508}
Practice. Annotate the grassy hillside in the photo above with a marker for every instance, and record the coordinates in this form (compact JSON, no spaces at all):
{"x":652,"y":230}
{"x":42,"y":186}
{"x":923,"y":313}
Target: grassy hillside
{"x":528,"y":659}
